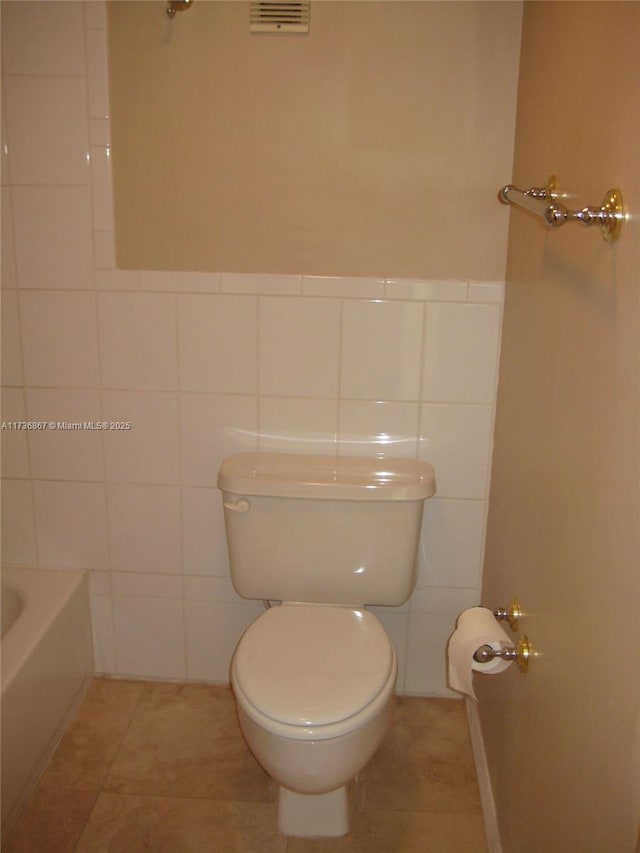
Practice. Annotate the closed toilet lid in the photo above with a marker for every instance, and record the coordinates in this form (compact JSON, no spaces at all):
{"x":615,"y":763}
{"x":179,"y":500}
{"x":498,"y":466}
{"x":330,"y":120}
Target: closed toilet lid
{"x":305,"y":664}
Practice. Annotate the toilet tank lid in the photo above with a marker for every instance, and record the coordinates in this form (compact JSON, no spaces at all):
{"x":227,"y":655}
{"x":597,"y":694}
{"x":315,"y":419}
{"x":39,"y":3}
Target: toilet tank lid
{"x":293,"y":475}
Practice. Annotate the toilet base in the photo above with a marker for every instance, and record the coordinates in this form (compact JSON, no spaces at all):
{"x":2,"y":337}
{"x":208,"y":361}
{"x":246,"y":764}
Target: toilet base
{"x":316,"y":815}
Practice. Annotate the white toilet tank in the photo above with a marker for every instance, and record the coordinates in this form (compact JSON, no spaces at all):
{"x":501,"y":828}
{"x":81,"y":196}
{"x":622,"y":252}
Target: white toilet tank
{"x":324,"y":529}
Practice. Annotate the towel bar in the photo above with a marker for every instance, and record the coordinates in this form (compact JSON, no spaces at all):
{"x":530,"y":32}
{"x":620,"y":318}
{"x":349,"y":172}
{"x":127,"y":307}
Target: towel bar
{"x":544,"y":202}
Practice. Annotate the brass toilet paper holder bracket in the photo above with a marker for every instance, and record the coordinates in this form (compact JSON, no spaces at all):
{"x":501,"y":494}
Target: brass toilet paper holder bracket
{"x":520,"y":653}
{"x":512,"y":614}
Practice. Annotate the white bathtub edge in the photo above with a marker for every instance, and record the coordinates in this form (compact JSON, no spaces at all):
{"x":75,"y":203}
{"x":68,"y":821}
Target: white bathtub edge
{"x":19,"y":643}
{"x":48,"y":655}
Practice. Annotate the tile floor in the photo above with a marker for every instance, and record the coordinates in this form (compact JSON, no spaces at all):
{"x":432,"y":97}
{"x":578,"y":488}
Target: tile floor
{"x":150,"y":766}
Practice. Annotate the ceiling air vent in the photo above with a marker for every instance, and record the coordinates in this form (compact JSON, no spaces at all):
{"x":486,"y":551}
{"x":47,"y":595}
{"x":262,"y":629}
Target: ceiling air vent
{"x":279,"y":16}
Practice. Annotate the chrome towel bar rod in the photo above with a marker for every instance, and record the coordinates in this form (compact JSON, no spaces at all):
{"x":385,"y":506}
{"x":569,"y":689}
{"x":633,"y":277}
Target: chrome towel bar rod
{"x":543,"y":201}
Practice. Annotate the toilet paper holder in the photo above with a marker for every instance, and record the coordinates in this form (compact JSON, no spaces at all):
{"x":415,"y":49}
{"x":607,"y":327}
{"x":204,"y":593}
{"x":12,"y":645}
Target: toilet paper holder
{"x":520,"y":653}
{"x":512,"y":614}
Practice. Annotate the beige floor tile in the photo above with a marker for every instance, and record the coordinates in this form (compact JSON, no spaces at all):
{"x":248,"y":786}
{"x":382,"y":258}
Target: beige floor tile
{"x":380,"y":831}
{"x":82,"y":760}
{"x":177,"y":777}
{"x":124,"y":823}
{"x":51,"y":822}
{"x":426,"y":761}
{"x":185,"y":741}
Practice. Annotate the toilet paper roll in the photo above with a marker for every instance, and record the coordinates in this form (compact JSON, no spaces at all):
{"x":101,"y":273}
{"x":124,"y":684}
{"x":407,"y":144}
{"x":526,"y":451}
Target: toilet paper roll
{"x":474,"y":628}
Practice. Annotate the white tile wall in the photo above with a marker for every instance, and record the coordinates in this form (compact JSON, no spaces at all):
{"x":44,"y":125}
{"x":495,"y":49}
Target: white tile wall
{"x":15,"y":453}
{"x":71,"y":524}
{"x":12,"y":373}
{"x":378,"y":427}
{"x":53,"y":108}
{"x":218,"y":337}
{"x":202,"y":365}
{"x":381,"y":349}
{"x":149,"y":452}
{"x":138,"y":340}
{"x":58,"y":221}
{"x":59,"y":339}
{"x":65,"y":453}
{"x":299,"y":346}
{"x":144,"y":528}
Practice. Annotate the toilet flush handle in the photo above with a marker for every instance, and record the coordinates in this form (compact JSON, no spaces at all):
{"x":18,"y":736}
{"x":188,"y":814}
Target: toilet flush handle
{"x":237,"y":506}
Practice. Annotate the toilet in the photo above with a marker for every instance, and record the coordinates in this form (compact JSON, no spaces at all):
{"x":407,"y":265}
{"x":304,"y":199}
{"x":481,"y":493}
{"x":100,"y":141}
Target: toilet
{"x":318,"y":538}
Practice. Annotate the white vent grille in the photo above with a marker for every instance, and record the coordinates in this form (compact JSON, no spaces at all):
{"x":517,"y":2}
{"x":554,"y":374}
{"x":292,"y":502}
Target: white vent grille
{"x":279,"y":16}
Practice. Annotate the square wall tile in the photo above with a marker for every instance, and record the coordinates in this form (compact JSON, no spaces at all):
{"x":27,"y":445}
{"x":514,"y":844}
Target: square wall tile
{"x":381,"y":350}
{"x":65,"y":451}
{"x":461,"y":353}
{"x":18,"y":524}
{"x":204,"y":543}
{"x":99,"y":582}
{"x":149,"y":637}
{"x":99,"y":128}
{"x":58,"y":221}
{"x":144,"y":528}
{"x":218,"y":343}
{"x":47,"y":130}
{"x":299,"y":346}
{"x":117,"y":280}
{"x":213,"y":632}
{"x":11,"y":358}
{"x":4,"y":153}
{"x":97,"y":74}
{"x":378,"y":428}
{"x":180,"y":282}
{"x":95,"y":14}
{"x":149,"y":452}
{"x":355,"y":288}
{"x":486,"y":291}
{"x":261,"y":284}
{"x":15,"y":450}
{"x":457,"y":441}
{"x":146,"y":583}
{"x":451,"y":550}
{"x":101,"y":184}
{"x":426,"y":673}
{"x":447,"y":600}
{"x":8,"y":255}
{"x":438,"y":290}
{"x":211,"y":589}
{"x":104,"y":250}
{"x":214,"y":426}
{"x":43,"y":38}
{"x":296,"y":425}
{"x":432,"y":621}
{"x":396,"y":624}
{"x":59,"y":339}
{"x":71,"y":524}
{"x":137,"y":333}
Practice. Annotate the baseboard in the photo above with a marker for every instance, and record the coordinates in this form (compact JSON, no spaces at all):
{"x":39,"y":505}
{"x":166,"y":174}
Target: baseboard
{"x":484,"y":780}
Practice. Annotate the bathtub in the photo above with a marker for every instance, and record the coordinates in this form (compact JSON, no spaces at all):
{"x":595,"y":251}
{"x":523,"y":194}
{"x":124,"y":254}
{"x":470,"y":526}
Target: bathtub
{"x":47,"y":664}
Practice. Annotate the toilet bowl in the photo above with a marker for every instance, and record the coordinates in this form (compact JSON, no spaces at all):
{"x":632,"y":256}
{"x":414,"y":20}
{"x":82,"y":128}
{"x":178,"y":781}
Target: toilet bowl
{"x":314,"y":685}
{"x":314,"y":677}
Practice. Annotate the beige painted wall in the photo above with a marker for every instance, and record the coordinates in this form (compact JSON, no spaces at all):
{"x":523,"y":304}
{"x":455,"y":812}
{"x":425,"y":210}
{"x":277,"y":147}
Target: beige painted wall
{"x":373,"y":146}
{"x":562,"y":741}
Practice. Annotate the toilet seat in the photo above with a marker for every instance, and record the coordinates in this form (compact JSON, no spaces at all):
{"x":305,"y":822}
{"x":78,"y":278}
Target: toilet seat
{"x":313,"y":671}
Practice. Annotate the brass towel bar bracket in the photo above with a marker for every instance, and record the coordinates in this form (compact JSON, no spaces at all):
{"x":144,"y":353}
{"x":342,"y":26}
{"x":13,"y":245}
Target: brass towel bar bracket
{"x":511,"y":614}
{"x":174,"y":6}
{"x":543,"y":201}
